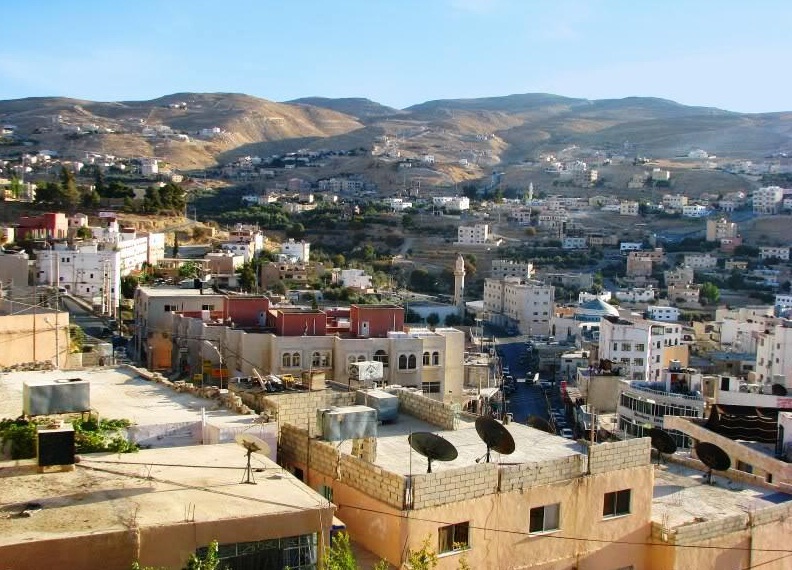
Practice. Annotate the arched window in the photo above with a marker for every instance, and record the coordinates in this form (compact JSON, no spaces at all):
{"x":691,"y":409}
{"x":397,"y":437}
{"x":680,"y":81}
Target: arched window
{"x":426,"y":360}
{"x":295,"y":360}
{"x":316,"y":359}
{"x":403,"y":362}
{"x":381,"y":356}
{"x":324,"y":360}
{"x":435,"y":359}
{"x":351,"y":359}
{"x":286,"y":360}
{"x":412,"y":362}
{"x":361,"y":358}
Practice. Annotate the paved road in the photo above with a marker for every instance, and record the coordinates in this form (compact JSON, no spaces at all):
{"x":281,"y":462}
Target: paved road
{"x":527,"y":400}
{"x":90,"y":323}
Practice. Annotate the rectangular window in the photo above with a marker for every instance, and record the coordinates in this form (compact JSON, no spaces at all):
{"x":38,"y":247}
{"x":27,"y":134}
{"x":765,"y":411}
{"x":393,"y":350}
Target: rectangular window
{"x":616,"y":503}
{"x":546,"y":518}
{"x":430,"y":387}
{"x":626,"y":346}
{"x":167,"y":308}
{"x":454,"y":537}
{"x":640,"y":347}
{"x":207,"y":307}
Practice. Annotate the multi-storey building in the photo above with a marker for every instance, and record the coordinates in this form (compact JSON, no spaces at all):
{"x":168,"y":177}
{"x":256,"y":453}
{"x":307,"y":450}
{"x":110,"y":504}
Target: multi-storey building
{"x":641,"y":348}
{"x":781,"y":253}
{"x":49,"y":226}
{"x":453,"y":203}
{"x":523,"y":303}
{"x":473,"y":235}
{"x":774,"y":354}
{"x":300,"y":250}
{"x":662,"y":313}
{"x":768,"y":200}
{"x":508,"y":268}
{"x":700,"y":261}
{"x":628,"y":208}
{"x":721,"y":229}
{"x":681,"y":275}
{"x":684,"y":293}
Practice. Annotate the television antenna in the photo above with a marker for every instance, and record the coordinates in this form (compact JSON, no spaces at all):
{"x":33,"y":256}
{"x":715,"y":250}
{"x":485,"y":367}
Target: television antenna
{"x":713,"y":457}
{"x":432,"y":446}
{"x":252,"y":444}
{"x":495,"y":436}
{"x":662,"y":441}
{"x":538,"y":422}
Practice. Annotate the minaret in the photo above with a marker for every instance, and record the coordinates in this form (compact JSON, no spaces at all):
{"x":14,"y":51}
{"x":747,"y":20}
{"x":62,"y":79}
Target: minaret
{"x":459,"y":284}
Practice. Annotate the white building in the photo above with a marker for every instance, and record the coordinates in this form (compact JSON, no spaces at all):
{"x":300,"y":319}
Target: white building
{"x":774,"y":355}
{"x":636,"y":294}
{"x":149,"y":166}
{"x":460,"y":203}
{"x":700,"y":261}
{"x":574,"y":242}
{"x":626,"y":246}
{"x":641,"y":347}
{"x":585,"y":296}
{"x":783,"y":300}
{"x":355,"y":278}
{"x":508,"y":268}
{"x":301,"y":250}
{"x":398,"y":204}
{"x":768,"y":200}
{"x":781,"y":253}
{"x":664,"y":314}
{"x":524,"y":303}
{"x":695,"y":211}
{"x":473,"y":235}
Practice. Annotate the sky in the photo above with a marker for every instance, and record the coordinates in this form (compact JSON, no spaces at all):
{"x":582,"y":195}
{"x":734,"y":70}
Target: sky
{"x":733,"y":55}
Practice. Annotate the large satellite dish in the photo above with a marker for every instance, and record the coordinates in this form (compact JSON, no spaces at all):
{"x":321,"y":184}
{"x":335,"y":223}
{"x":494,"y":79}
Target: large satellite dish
{"x":432,"y":446}
{"x":713,"y":457}
{"x":538,"y":422}
{"x":662,"y":441}
{"x":779,"y":390}
{"x":494,"y":435}
{"x":252,"y":444}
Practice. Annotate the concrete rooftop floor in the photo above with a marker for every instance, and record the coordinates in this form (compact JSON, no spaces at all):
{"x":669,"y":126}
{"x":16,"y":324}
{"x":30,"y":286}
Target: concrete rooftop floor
{"x":394,"y":453}
{"x":682,"y":495}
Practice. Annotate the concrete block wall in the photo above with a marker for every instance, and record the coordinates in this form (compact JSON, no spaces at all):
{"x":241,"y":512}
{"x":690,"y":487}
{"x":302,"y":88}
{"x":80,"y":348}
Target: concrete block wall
{"x":515,"y":477}
{"x":772,"y":514}
{"x":293,"y":445}
{"x":618,"y":455}
{"x":372,"y":480}
{"x":296,"y":408}
{"x":693,"y":533}
{"x":424,"y":408}
{"x":432,"y":489}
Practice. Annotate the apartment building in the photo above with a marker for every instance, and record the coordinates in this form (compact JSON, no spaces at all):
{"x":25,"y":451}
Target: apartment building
{"x":508,"y":268}
{"x":473,"y":235}
{"x":768,"y":200}
{"x":453,"y":203}
{"x":774,"y":354}
{"x":700,"y":261}
{"x":628,"y":208}
{"x":681,"y":275}
{"x":695,"y":211}
{"x":638,"y":265}
{"x":523,"y":303}
{"x":684,"y":293}
{"x":721,"y":228}
{"x":781,"y":253}
{"x":636,"y":294}
{"x":574,"y":242}
{"x":662,"y":313}
{"x":48,"y":226}
{"x":642,"y":348}
{"x":300,"y":250}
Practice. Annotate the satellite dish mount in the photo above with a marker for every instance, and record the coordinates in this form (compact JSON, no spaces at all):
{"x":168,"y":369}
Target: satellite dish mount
{"x":252,"y":445}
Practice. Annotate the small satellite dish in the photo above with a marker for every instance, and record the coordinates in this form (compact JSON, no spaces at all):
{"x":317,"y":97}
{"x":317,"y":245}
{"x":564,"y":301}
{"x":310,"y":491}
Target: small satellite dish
{"x":713,"y":457}
{"x":779,"y":390}
{"x":252,"y":444}
{"x":432,"y":446}
{"x":494,"y":435}
{"x":538,"y":422}
{"x":662,"y":441}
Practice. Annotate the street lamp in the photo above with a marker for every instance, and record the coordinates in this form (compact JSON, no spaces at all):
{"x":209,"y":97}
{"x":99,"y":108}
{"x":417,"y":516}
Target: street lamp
{"x":219,"y":356}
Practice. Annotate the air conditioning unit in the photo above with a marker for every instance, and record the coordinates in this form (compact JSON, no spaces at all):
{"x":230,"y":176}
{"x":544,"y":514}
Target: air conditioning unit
{"x":55,"y":446}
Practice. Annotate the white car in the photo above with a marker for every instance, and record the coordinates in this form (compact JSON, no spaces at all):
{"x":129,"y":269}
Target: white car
{"x":567,"y":433}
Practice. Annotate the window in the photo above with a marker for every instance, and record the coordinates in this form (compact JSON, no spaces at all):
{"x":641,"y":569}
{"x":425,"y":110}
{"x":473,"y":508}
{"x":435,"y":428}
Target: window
{"x":640,"y":347}
{"x":295,"y":359}
{"x":169,"y":308}
{"x":454,"y":537}
{"x":326,"y":492}
{"x":412,"y":362}
{"x":403,"y":362}
{"x":286,"y":360}
{"x":315,"y":359}
{"x":615,"y":346}
{"x":435,"y":359}
{"x":381,"y":356}
{"x":545,"y":519}
{"x":207,"y":307}
{"x":638,"y":361}
{"x":426,"y":358}
{"x":616,"y":503}
{"x":626,"y":346}
{"x":430,"y":387}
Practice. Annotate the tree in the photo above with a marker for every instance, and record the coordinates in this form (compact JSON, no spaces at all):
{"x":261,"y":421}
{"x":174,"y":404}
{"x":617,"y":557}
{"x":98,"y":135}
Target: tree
{"x":452,"y":320}
{"x":70,"y":195}
{"x":84,"y":232}
{"x":339,"y":555}
{"x":425,"y":558}
{"x":432,"y":319}
{"x":91,"y":199}
{"x":152,"y":202}
{"x":189,"y":269}
{"x":15,"y":187}
{"x":175,"y":244}
{"x":99,"y":182}
{"x":296,"y":231}
{"x":128,"y":285}
{"x":210,"y":561}
{"x":247,"y":277}
{"x":709,"y":293}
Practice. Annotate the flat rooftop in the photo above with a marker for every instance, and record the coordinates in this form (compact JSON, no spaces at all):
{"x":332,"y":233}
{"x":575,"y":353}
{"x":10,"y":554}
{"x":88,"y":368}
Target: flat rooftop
{"x":395,"y":454}
{"x":119,"y":393}
{"x":109,"y":492}
{"x":682,"y":495}
{"x":175,"y":290}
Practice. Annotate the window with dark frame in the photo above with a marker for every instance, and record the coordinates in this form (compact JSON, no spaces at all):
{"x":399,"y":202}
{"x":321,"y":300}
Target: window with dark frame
{"x":616,"y":503}
{"x":545,"y":518}
{"x":453,"y":538}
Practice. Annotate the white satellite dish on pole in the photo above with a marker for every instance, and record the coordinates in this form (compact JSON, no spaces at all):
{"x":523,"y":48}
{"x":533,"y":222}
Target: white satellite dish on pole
{"x":252,"y":444}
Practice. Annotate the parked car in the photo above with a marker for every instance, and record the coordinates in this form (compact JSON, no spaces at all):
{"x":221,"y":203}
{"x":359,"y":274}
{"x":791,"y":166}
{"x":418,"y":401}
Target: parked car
{"x":567,"y":433}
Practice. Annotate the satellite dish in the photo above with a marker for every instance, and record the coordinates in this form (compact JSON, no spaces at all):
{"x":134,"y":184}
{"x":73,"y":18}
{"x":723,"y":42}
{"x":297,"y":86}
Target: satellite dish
{"x":538,"y":422}
{"x":713,"y":457}
{"x":662,"y":441}
{"x":494,"y":435}
{"x":252,"y":444}
{"x":432,"y":446}
{"x":778,"y":390}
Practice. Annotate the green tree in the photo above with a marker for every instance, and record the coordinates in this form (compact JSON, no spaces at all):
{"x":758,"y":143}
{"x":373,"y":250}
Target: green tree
{"x":296,"y":231}
{"x":209,"y":561}
{"x":189,"y":269}
{"x":15,"y":187}
{"x":339,"y":555}
{"x":432,"y":319}
{"x":99,"y":182}
{"x":128,"y":285}
{"x":152,"y":202}
{"x":48,"y":193}
{"x":70,"y":194}
{"x":425,"y":558}
{"x":91,"y":199}
{"x":247,"y":277}
{"x":709,"y":293}
{"x":84,"y":232}
{"x":452,"y":320}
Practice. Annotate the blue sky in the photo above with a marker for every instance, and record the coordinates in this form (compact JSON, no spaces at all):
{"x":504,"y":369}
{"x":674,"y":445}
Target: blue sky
{"x":732,"y":55}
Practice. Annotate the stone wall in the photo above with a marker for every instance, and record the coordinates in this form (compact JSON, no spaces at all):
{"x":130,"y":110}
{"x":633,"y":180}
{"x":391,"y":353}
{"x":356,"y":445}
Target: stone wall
{"x":515,"y":477}
{"x":432,"y":489}
{"x":424,"y":408}
{"x":617,"y":455}
{"x":296,"y":408}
